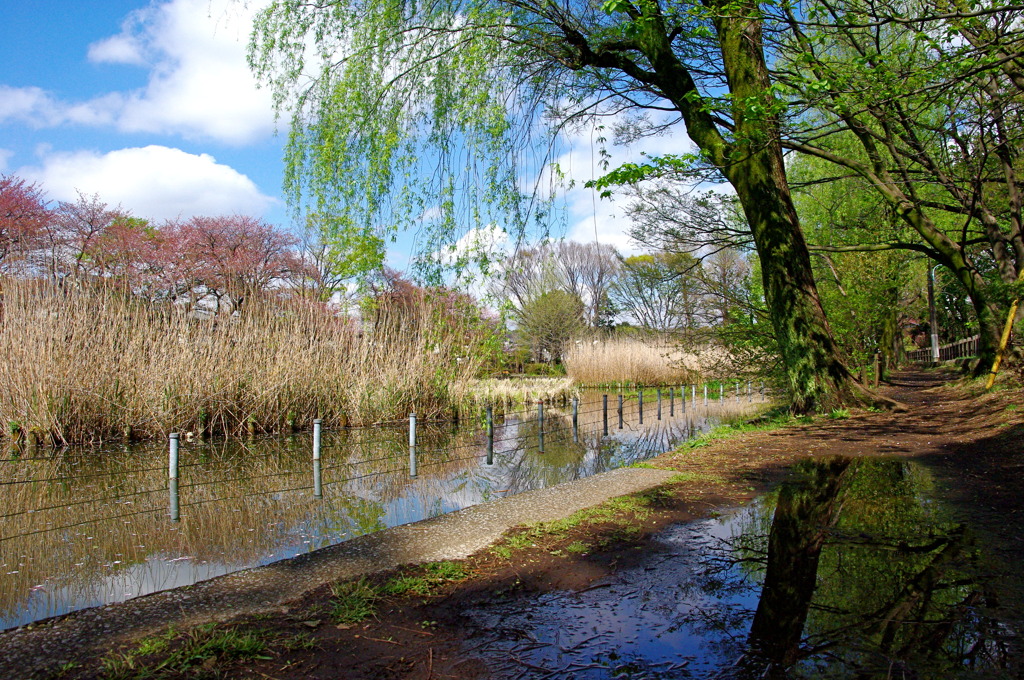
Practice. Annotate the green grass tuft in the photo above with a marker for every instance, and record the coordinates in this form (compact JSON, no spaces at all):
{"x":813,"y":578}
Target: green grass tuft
{"x":353,"y":601}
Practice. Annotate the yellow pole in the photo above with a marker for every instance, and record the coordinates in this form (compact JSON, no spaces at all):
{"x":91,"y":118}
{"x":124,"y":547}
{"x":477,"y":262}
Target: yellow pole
{"x":1005,"y":339}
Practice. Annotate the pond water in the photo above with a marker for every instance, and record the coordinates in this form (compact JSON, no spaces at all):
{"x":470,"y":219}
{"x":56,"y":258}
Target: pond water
{"x":91,"y":527}
{"x":853,"y":570}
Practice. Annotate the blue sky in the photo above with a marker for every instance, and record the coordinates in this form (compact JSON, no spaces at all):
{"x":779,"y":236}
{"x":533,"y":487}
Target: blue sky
{"x":151,"y":106}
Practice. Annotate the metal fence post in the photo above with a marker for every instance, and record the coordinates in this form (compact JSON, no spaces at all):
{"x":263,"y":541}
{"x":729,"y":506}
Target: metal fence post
{"x":575,"y":419}
{"x":172,"y":474}
{"x":317,"y":482}
{"x":604,"y":413}
{"x":540,"y":426}
{"x":490,"y":435}
{"x":412,"y":444}
{"x":620,"y":411}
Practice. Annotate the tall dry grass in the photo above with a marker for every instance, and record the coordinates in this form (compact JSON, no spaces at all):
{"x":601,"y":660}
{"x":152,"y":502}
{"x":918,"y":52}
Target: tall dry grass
{"x":633,"y":361}
{"x":88,"y":364}
{"x":510,"y":392}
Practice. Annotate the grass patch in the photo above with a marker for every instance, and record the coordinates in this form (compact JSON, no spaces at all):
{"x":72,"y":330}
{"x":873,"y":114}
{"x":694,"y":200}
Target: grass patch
{"x":771,"y":420}
{"x":643,"y":465}
{"x":839,"y":414}
{"x":205,"y":646}
{"x":686,"y":477}
{"x":353,"y":601}
{"x":299,"y":642}
{"x":425,"y":583}
{"x":502,"y":551}
{"x":623,"y":513}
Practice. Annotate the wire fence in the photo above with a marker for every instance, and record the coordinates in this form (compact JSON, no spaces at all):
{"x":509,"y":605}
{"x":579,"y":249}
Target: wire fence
{"x":507,"y":434}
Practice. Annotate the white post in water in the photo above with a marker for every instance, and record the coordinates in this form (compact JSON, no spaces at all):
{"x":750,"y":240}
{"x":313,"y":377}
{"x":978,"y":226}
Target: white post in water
{"x":172,"y":463}
{"x":705,"y":394}
{"x":412,"y":444}
{"x":318,"y":490}
{"x":172,"y":473}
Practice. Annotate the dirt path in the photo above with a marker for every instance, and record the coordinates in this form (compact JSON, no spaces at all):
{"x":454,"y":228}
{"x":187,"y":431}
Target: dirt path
{"x":973,"y":444}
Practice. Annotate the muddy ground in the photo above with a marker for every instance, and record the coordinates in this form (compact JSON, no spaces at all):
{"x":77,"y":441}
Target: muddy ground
{"x":972,"y":442}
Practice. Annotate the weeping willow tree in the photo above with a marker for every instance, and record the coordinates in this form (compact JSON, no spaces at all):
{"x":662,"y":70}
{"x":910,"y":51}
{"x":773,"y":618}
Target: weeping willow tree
{"x":432,"y":113}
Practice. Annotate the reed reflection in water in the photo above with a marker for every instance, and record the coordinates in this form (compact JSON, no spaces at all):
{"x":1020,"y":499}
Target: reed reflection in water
{"x":92,"y":527}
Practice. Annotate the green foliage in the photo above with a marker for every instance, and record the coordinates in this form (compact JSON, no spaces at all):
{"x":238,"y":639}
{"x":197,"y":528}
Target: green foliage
{"x":353,"y":601}
{"x":401,"y":92}
{"x":171,"y":655}
{"x":867,"y":295}
{"x":547,"y":322}
{"x":425,"y":580}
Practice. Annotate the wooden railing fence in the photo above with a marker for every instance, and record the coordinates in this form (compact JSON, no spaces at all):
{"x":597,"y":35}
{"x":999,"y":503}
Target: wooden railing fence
{"x":967,"y":347}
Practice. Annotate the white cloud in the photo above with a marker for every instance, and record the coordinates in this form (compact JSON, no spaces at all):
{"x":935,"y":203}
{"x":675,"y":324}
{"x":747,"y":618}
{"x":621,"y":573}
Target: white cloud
{"x":5,"y":156}
{"x":476,"y":244}
{"x":156,"y":182}
{"x":199,"y":82}
{"x":591,"y":218}
{"x":30,"y":105}
{"x":124,"y":48}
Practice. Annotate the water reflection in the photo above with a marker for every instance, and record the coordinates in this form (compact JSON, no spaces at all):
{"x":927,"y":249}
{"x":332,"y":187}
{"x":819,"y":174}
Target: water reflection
{"x":92,"y":527}
{"x":853,"y":570}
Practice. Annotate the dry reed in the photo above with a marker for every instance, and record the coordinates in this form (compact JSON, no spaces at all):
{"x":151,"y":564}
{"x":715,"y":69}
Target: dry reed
{"x":632,"y":361}
{"x":90,"y":364}
{"x":512,"y":391}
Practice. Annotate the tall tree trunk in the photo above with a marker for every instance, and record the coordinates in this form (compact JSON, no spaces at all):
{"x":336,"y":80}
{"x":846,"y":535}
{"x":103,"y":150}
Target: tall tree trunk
{"x":818,"y":379}
{"x":752,"y":162}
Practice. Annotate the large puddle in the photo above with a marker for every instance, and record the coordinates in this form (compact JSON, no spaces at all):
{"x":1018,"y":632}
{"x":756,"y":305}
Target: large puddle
{"x":92,"y":527}
{"x":854,"y":570}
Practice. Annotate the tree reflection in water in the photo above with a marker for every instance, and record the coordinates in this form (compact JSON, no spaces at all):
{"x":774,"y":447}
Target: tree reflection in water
{"x":850,"y":570}
{"x":863,"y":577}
